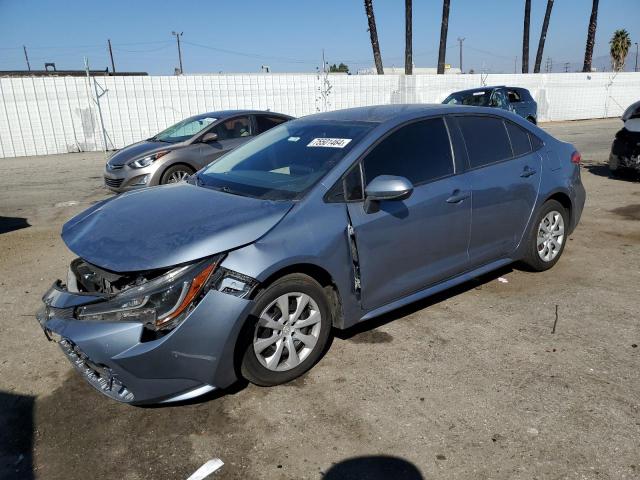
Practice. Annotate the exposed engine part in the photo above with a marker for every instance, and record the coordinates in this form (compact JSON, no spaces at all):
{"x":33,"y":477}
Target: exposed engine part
{"x":92,"y":279}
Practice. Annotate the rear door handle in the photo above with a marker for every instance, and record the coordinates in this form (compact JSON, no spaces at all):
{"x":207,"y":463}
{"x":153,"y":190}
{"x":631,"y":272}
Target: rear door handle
{"x":458,"y":196}
{"x":527,"y":172}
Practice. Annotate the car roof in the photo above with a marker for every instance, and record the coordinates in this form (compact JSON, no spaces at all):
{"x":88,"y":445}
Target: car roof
{"x":221,"y":114}
{"x":485,"y":89}
{"x":396,"y":113}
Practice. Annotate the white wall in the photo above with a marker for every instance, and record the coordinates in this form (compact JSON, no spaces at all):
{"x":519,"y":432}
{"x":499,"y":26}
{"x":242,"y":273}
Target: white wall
{"x":58,"y":115}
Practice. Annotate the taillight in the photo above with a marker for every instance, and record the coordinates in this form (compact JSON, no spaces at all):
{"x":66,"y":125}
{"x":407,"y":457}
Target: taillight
{"x":576,"y":158}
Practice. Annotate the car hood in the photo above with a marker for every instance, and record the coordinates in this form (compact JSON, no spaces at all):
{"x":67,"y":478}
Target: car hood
{"x":160,"y":227}
{"x":138,"y":150}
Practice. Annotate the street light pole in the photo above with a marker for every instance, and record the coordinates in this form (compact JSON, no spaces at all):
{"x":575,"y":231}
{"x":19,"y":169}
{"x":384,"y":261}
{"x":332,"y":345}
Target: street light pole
{"x":178,"y":35}
{"x":26,"y":57}
{"x":636,"y":67}
{"x":460,"y":40}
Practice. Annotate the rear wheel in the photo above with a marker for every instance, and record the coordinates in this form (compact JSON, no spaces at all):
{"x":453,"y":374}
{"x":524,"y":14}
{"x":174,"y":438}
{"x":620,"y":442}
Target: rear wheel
{"x":290,"y":326}
{"x":176,"y":174}
{"x":548,"y":237}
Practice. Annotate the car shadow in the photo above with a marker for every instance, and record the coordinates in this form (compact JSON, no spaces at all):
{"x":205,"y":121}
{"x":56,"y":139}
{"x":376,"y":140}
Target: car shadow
{"x":375,"y":467}
{"x":9,"y":224}
{"x":602,"y":170}
{"x":16,"y":439}
{"x":422,"y":304}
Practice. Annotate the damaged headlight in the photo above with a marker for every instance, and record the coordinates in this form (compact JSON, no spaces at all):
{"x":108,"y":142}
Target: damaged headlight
{"x":160,"y":303}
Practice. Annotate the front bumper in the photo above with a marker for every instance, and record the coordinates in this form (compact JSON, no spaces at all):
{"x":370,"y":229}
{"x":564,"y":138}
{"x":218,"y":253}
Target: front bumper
{"x":114,"y":357}
{"x":125,"y":178}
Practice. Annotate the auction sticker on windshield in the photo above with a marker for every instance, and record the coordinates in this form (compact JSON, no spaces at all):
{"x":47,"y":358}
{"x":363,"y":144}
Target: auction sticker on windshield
{"x":329,"y":142}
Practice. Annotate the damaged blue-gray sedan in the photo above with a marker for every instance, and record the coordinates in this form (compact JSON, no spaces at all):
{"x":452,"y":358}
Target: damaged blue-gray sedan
{"x":319,"y":223}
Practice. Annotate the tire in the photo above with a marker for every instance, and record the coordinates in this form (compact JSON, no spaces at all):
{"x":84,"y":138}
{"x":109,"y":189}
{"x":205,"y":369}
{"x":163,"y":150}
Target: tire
{"x":172,"y":174}
{"x":266,"y":359}
{"x":543,"y":257}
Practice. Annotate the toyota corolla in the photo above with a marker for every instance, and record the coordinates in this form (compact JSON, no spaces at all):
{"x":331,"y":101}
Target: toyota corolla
{"x":320,"y":223}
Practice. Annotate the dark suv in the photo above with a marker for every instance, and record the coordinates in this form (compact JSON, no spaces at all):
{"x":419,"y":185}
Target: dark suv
{"x":515,"y":99}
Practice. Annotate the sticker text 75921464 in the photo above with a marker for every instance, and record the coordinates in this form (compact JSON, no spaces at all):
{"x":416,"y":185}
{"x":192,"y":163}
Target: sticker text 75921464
{"x":329,"y":142}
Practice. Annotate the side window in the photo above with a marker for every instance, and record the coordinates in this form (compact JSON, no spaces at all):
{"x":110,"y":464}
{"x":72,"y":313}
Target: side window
{"x":519,"y":139}
{"x":499,"y":100}
{"x":525,"y":95}
{"x":265,"y":122}
{"x":514,"y":97}
{"x":536,"y":143}
{"x":352,"y":183}
{"x":237,"y":127}
{"x":420,"y":152}
{"x":486,"y":139}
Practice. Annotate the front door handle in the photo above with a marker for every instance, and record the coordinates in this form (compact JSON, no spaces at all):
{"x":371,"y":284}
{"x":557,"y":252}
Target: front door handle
{"x":527,"y":172}
{"x":458,"y":196}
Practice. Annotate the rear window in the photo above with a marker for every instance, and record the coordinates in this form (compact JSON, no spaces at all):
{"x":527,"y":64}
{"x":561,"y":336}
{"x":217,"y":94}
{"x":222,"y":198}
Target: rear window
{"x":486,"y":139}
{"x":264,"y":122}
{"x":519,"y":139}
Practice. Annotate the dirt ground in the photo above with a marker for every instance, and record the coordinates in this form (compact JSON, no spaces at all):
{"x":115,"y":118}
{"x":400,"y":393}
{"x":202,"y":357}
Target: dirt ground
{"x":470,"y":384}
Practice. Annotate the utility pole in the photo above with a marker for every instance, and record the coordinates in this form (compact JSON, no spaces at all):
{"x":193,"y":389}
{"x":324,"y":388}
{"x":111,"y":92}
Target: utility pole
{"x":515,"y":65}
{"x":113,"y":65}
{"x":566,"y":67}
{"x":460,"y":40}
{"x":178,"y":35}
{"x":636,"y":67}
{"x":26,"y":57}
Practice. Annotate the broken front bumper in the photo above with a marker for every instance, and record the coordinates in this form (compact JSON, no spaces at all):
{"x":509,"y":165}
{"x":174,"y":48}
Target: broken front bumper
{"x":116,"y":358}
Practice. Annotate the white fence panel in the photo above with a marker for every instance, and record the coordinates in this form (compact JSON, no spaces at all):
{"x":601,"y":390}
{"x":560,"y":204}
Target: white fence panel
{"x":57,"y":115}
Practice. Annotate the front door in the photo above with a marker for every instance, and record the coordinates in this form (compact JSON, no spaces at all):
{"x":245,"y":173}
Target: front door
{"x":407,"y":245}
{"x":231,"y":133}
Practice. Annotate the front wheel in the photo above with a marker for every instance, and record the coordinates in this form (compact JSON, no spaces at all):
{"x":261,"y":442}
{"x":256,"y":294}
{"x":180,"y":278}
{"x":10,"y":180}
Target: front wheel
{"x":176,"y":174}
{"x":547,"y":239}
{"x":289,"y":330}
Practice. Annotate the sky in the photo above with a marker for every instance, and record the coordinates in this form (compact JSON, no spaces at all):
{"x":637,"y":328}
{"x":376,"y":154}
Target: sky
{"x":289,"y":36}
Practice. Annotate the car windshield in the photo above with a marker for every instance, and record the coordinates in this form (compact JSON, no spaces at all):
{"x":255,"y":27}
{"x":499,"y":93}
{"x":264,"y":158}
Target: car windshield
{"x":477,"y":99}
{"x":183,"y":130}
{"x":286,"y":161}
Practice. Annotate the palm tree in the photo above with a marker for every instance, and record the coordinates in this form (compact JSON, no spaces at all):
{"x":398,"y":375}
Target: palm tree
{"x":525,"y":36}
{"x":543,"y":36}
{"x":444,"y":26}
{"x":591,"y":37}
{"x":408,"y":47}
{"x":620,"y":44}
{"x":377,"y":58}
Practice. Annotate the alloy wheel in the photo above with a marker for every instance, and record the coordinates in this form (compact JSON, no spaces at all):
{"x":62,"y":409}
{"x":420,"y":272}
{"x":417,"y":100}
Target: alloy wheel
{"x":550,"y":236}
{"x":178,"y":176}
{"x":287,"y":331}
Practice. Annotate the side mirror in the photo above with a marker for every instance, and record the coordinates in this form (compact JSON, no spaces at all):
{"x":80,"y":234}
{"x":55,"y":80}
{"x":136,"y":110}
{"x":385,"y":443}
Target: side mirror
{"x":209,"y":137}
{"x":388,"y":187}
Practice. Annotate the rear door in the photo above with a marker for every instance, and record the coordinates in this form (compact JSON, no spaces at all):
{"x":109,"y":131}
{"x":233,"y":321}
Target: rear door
{"x":407,"y":245}
{"x":231,"y":132}
{"x":504,"y":173}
